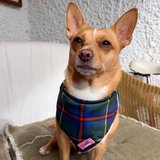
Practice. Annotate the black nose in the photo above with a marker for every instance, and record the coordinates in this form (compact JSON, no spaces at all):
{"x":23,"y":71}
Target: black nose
{"x":85,"y":55}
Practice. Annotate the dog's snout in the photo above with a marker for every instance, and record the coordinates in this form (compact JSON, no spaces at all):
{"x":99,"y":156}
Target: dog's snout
{"x":85,"y":55}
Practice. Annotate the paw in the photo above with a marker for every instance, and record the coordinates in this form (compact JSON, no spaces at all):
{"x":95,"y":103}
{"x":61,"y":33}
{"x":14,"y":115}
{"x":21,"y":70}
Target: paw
{"x":43,"y":151}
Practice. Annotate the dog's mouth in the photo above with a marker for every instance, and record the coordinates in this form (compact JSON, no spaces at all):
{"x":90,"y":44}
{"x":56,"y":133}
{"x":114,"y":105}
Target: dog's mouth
{"x":85,"y":69}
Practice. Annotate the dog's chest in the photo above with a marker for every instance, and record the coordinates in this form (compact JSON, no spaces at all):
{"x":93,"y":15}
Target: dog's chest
{"x":82,"y":90}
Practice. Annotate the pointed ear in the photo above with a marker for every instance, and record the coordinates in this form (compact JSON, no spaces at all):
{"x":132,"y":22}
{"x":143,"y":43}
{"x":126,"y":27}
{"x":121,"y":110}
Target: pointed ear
{"x":74,"y":20}
{"x":125,"y":25}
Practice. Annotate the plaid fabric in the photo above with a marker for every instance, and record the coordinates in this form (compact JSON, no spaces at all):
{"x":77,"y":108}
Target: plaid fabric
{"x":82,"y":119}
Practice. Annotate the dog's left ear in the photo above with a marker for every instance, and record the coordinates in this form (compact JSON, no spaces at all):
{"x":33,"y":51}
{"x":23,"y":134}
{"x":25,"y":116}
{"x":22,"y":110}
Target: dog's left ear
{"x":74,"y":20}
{"x":125,"y":25}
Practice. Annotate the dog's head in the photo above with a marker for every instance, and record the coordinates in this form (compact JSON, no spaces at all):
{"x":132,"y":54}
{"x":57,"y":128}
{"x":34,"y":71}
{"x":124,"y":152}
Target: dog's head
{"x":92,"y":50}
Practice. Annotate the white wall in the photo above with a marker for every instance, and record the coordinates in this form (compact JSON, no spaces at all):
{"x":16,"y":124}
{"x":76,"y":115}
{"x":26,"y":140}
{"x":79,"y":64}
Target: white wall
{"x":14,"y":24}
{"x":46,"y":20}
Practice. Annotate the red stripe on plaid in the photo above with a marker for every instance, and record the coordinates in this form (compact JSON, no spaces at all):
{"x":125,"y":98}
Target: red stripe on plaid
{"x":87,"y":119}
{"x":81,"y":124}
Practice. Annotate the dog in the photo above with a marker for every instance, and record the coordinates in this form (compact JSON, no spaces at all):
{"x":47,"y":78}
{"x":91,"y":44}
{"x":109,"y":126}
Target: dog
{"x":88,"y":102}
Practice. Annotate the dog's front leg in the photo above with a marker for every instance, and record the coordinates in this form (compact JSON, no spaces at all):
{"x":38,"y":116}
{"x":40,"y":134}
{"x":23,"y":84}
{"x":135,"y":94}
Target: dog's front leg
{"x":47,"y":148}
{"x":97,"y":152}
{"x":64,"y":144}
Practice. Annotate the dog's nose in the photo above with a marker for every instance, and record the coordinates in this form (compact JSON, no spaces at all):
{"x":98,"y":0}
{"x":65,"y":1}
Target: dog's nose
{"x":85,"y":55}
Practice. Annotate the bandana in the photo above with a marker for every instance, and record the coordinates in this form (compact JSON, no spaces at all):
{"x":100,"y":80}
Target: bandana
{"x":85,"y":122}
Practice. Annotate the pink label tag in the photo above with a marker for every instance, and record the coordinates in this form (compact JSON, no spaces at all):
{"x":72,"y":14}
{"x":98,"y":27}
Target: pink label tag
{"x":86,"y":143}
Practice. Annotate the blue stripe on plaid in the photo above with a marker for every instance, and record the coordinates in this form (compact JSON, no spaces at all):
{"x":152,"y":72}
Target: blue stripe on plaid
{"x":110,"y":120}
{"x":86,"y":123}
{"x":94,"y":123}
{"x":88,"y":113}
{"x":112,"y":109}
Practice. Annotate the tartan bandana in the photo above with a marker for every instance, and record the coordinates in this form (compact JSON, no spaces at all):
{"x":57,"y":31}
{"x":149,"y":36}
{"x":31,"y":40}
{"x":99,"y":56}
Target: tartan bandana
{"x":83,"y":119}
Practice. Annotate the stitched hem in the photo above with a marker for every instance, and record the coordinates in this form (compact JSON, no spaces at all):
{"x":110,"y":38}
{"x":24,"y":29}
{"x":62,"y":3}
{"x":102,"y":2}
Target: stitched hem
{"x":18,"y":152}
{"x":37,"y":137}
{"x":6,"y":146}
{"x":139,"y":122}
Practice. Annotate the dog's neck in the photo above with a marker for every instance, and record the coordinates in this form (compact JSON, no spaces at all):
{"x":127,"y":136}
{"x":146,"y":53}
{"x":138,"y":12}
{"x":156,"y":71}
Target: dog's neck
{"x":92,"y":87}
{"x":83,"y":90}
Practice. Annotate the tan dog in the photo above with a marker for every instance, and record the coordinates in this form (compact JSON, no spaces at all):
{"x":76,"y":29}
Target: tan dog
{"x":93,"y":70}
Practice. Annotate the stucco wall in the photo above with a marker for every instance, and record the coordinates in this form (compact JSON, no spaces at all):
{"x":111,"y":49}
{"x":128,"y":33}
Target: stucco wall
{"x":14,"y":24}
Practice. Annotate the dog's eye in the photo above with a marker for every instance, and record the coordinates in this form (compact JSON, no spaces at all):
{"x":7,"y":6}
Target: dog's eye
{"x":105,"y":43}
{"x":78,"y":40}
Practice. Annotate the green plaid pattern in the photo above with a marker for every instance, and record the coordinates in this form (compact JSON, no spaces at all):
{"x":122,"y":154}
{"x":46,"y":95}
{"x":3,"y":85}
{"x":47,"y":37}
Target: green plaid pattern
{"x":83,"y":119}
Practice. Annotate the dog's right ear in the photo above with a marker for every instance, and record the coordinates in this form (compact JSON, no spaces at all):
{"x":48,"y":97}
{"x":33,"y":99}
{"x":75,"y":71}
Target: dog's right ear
{"x":125,"y":25}
{"x":74,"y":20}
